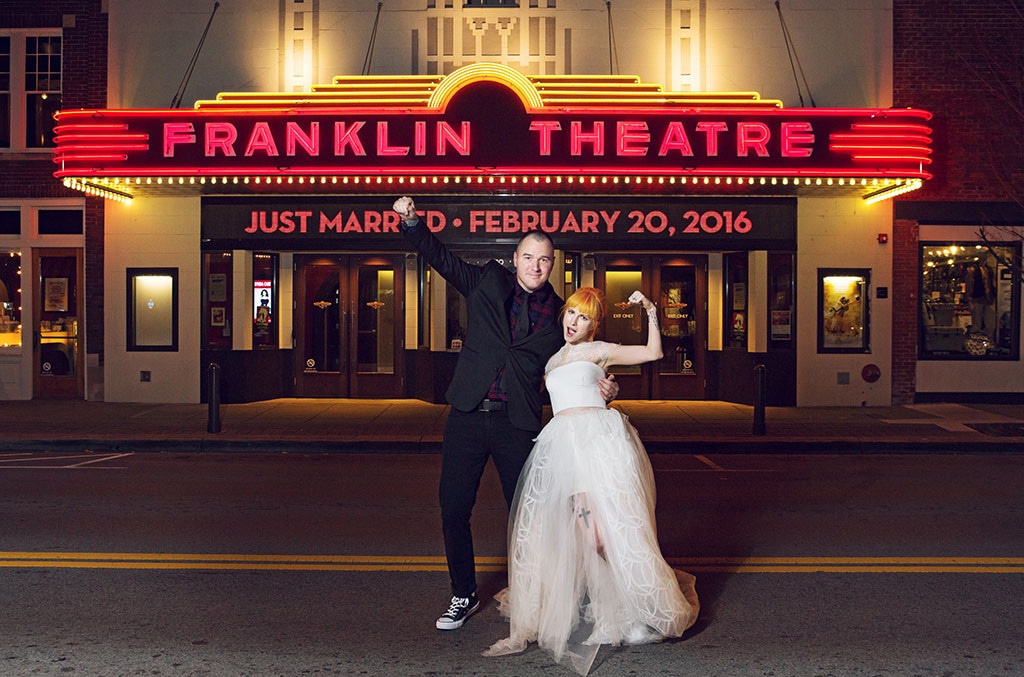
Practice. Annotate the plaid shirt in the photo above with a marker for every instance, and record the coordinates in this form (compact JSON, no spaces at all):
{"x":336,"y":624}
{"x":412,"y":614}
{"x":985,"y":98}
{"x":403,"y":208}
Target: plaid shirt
{"x":543,"y":311}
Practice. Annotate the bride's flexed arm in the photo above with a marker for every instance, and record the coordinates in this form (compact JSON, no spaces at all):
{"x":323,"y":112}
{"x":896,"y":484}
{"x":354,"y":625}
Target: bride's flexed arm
{"x":629,"y":355}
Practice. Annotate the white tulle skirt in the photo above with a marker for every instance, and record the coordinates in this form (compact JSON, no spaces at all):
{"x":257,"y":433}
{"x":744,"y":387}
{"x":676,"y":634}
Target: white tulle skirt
{"x":584,"y":564}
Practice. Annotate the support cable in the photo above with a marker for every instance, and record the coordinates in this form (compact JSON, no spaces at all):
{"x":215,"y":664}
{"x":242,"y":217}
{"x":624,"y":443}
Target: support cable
{"x":176,"y":101}
{"x":613,"y":51}
{"x":373,"y":40}
{"x":794,"y":60}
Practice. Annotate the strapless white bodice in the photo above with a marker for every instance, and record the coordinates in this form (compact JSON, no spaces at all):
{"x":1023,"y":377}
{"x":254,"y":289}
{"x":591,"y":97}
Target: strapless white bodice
{"x":574,"y":384}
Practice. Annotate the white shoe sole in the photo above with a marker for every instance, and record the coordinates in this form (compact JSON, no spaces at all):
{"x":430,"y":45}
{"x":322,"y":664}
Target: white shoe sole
{"x":445,"y":624}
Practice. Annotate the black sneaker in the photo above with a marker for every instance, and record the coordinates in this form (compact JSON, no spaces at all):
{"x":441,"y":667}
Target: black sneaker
{"x":459,"y":610}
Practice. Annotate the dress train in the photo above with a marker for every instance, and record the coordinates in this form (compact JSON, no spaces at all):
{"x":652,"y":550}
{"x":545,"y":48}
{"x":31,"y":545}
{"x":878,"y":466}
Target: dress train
{"x":566,"y":593}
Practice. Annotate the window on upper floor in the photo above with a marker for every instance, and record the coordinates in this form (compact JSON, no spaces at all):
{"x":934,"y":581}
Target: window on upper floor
{"x":5,"y":91}
{"x":31,"y":65}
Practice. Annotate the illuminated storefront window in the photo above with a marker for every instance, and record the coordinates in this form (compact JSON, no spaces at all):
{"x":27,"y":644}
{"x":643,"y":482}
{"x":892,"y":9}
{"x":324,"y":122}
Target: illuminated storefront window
{"x":217,"y":269}
{"x":152,"y":309}
{"x":780,"y":300}
{"x":264,"y":300}
{"x":969,"y":303}
{"x":10,"y":299}
{"x":736,"y":300}
{"x":844,"y":318}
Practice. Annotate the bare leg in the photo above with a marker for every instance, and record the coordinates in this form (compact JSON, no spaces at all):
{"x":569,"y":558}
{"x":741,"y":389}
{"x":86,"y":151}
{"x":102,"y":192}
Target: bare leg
{"x":586,"y":523}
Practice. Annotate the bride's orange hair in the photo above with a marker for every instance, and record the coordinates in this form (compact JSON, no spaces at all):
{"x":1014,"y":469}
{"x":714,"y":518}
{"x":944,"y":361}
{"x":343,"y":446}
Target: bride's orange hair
{"x":589,"y":301}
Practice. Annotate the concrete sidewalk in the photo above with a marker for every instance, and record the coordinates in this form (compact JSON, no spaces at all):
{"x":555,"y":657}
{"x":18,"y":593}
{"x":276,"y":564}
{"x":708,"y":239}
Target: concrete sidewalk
{"x":356,"y":425}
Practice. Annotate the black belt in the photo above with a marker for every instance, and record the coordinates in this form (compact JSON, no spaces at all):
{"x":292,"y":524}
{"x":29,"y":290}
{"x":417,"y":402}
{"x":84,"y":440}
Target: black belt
{"x":491,"y":405}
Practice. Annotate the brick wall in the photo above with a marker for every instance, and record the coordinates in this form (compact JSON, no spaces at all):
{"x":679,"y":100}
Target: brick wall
{"x":952,"y":59}
{"x":955,"y":60}
{"x":30,"y":176}
{"x":905,"y":293}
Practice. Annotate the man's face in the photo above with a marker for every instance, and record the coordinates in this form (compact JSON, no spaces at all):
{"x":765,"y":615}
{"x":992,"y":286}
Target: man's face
{"x":533,"y":260}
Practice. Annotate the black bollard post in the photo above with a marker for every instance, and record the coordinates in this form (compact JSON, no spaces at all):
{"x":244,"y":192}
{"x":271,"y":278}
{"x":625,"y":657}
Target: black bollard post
{"x":213,"y":399}
{"x":760,"y":395}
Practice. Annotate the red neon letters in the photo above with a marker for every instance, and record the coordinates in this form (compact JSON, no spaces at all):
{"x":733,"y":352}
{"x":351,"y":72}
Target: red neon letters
{"x":632,"y":138}
{"x":223,"y":139}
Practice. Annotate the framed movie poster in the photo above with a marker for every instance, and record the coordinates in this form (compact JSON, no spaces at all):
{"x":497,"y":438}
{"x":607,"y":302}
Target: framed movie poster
{"x":217,"y":288}
{"x":55,"y":294}
{"x":843,"y":320}
{"x":782,"y":325}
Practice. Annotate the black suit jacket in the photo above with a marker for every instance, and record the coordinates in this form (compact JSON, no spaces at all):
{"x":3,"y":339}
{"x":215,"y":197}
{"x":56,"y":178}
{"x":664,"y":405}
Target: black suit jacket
{"x":488,"y":346}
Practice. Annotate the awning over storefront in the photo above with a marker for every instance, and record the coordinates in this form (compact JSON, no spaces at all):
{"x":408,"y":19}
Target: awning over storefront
{"x":487,"y":129}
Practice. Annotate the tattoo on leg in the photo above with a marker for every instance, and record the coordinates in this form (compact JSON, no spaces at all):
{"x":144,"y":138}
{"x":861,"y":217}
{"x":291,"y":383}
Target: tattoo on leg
{"x":582,"y":511}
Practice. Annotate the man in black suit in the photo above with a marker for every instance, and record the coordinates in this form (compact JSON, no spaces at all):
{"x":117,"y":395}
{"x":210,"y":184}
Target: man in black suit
{"x":496,"y":390}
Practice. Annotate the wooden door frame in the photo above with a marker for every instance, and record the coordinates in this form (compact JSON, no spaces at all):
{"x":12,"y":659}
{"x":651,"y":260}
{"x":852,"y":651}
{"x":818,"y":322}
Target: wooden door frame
{"x":647,"y":384}
{"x":372,"y":384}
{"x":347,"y":381}
{"x":699,"y":261}
{"x":58,"y":387}
{"x":314,"y":384}
{"x":631,"y":386}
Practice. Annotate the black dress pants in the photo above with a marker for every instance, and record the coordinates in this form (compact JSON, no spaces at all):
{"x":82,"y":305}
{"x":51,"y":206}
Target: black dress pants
{"x":469,"y":440}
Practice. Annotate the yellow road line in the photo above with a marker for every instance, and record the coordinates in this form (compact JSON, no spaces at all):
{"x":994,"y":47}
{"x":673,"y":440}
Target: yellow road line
{"x":238,"y":562}
{"x":852,"y":564}
{"x":708,"y":462}
{"x":173,"y":556}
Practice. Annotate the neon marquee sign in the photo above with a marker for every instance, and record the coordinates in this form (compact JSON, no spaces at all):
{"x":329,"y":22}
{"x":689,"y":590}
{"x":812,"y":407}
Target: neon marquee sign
{"x":673,"y":140}
{"x":488,"y":121}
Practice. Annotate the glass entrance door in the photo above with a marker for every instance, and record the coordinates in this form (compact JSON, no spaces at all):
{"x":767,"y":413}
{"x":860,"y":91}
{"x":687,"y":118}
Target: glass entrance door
{"x":682,"y":314}
{"x":678,"y":286}
{"x":349,"y":323}
{"x":57,"y":334}
{"x":624,"y":323}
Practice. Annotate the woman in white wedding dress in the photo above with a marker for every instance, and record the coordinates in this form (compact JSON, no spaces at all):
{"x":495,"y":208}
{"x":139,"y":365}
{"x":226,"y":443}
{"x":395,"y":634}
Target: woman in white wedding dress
{"x":584,"y":564}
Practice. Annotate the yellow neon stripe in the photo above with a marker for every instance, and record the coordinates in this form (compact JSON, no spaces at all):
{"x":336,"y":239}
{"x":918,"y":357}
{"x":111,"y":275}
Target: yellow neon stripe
{"x":513,"y":79}
{"x":319,"y":94}
{"x":571,"y":79}
{"x":369,"y":101}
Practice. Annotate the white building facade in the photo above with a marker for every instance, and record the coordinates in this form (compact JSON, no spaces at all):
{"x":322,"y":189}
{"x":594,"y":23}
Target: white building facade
{"x":743,"y":304}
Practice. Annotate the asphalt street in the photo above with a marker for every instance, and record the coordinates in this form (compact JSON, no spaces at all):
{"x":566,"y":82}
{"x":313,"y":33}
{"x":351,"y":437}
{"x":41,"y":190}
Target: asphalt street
{"x":291,"y":564}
